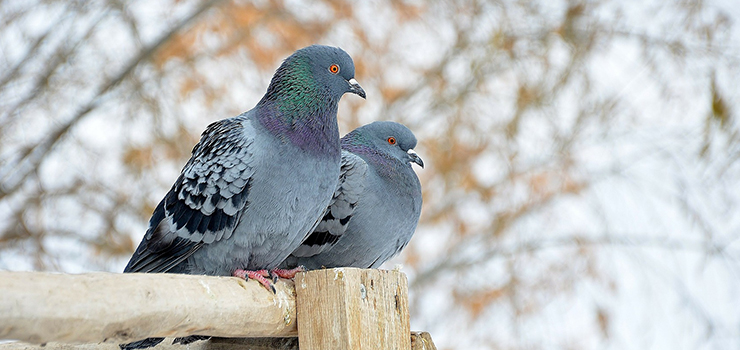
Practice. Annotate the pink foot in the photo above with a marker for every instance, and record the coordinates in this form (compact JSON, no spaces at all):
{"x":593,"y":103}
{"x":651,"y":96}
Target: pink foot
{"x":259,"y":276}
{"x":282,"y":273}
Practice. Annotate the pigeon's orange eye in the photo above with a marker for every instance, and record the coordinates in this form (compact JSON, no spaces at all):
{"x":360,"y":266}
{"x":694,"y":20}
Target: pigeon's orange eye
{"x":334,"y":68}
{"x":392,"y":140}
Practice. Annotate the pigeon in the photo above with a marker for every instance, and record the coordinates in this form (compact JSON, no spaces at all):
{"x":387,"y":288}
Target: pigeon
{"x":376,"y":206}
{"x":256,"y":184}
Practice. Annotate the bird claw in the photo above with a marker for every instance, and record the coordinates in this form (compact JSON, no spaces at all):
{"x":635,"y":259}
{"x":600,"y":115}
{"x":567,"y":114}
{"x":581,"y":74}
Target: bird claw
{"x":289,"y":273}
{"x":262,"y":276}
{"x":259,"y":276}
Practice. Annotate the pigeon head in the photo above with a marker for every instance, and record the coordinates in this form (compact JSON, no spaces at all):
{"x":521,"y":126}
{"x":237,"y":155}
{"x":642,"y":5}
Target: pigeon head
{"x":312,"y":76}
{"x":332,"y":68}
{"x":389,"y":139}
{"x":301,"y":103}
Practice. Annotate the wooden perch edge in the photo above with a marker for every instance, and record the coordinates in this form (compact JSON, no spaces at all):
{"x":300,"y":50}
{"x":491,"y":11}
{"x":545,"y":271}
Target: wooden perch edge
{"x":341,"y":308}
{"x":41,"y":307}
{"x":419,"y":341}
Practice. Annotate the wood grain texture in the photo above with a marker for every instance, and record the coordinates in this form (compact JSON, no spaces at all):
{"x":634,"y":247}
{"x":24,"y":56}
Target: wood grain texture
{"x":422,"y":341}
{"x":419,"y":341}
{"x":212,"y":344}
{"x":38,"y":307}
{"x":348,"y":308}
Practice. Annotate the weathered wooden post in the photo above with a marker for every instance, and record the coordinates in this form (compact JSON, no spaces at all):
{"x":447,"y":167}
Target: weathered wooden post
{"x":342,"y":308}
{"x":39,"y":307}
{"x":348,"y":308}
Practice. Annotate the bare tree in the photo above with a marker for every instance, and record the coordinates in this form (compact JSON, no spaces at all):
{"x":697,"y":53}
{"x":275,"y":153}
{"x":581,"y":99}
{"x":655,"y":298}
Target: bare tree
{"x":582,"y":155}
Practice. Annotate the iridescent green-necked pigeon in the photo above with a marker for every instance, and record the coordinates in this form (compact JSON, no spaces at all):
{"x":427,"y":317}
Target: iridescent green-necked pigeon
{"x":257,"y":184}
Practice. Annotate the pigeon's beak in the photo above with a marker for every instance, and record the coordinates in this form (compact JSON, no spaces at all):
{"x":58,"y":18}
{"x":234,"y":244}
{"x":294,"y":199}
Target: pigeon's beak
{"x":415,"y":158}
{"x":355,"y":88}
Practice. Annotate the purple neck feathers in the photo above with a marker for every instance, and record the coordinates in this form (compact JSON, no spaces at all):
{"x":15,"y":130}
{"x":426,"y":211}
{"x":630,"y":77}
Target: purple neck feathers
{"x":312,"y":130}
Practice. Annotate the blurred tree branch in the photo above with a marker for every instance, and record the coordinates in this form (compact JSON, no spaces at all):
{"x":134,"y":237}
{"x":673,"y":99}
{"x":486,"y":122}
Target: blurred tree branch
{"x":15,"y":173}
{"x":558,"y":136}
{"x":575,"y":240}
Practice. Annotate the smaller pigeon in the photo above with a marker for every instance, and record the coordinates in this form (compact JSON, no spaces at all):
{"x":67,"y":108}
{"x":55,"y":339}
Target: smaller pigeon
{"x":376,"y":206}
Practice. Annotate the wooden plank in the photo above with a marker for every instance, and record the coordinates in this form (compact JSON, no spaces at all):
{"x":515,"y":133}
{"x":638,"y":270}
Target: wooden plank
{"x":212,"y":344}
{"x":419,"y":341}
{"x":422,"y":341}
{"x":38,"y":307}
{"x":348,"y":308}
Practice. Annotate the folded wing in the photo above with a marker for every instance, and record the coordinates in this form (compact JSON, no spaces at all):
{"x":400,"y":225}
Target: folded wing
{"x":204,"y":204}
{"x":336,"y":217}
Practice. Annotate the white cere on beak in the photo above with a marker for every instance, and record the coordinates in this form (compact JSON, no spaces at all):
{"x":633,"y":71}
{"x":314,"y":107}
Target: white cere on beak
{"x":355,"y":88}
{"x":415,"y":158}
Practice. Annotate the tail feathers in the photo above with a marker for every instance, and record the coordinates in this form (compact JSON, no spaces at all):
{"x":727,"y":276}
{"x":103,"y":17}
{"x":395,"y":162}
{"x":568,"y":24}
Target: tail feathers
{"x":151,"y":342}
{"x":141,"y":344}
{"x":190,"y":339}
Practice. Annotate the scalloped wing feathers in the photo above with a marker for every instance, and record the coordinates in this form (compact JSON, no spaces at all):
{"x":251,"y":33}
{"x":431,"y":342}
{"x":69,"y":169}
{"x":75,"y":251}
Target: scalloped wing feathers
{"x":214,"y":185}
{"x":336,"y":217}
{"x":204,"y":204}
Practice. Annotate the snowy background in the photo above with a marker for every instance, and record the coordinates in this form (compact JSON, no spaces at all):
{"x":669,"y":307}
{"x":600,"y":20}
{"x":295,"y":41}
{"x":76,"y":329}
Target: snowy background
{"x":582,"y":187}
